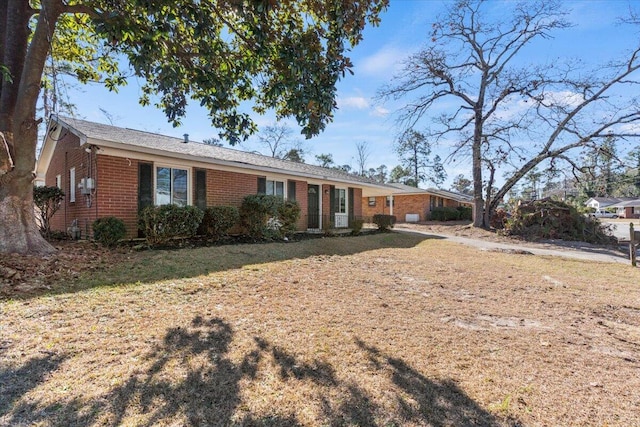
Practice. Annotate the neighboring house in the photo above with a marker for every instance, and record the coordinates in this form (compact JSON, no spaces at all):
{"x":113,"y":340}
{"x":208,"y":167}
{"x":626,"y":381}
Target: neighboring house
{"x":624,"y":207}
{"x":411,"y":204}
{"x":110,"y":171}
{"x":627,"y":208}
{"x":599,"y":203}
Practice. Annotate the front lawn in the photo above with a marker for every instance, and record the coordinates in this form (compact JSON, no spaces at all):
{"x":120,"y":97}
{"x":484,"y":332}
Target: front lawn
{"x":381,"y":330}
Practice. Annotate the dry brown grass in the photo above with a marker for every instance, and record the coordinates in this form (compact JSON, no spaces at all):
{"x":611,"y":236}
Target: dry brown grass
{"x":394,"y":332}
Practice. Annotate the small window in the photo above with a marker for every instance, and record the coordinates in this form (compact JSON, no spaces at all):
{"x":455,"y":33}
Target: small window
{"x":171,"y":186}
{"x":59,"y":181}
{"x":72,"y":185}
{"x":390,"y":202}
{"x":372,"y":201}
{"x":275,"y":188}
{"x":341,"y":200}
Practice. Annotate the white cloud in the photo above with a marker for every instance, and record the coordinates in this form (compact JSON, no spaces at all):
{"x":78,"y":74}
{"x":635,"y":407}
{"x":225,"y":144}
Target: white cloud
{"x":566,"y":98}
{"x":357,"y":102}
{"x":385,"y":62}
{"x":379,"y":111}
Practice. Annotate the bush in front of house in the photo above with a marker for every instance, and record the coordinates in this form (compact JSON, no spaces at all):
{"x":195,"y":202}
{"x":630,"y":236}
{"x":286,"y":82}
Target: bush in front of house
{"x":256,"y":212}
{"x":48,"y":200}
{"x":445,"y":214}
{"x":218,"y":220}
{"x":356,"y":226}
{"x":466,"y":213}
{"x":268,"y":217}
{"x":288,"y":215}
{"x":384,"y":222}
{"x":160,"y":224}
{"x":108,"y":230}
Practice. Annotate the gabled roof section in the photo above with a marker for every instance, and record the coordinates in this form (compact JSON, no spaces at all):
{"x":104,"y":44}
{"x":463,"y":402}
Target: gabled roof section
{"x":147,"y":142}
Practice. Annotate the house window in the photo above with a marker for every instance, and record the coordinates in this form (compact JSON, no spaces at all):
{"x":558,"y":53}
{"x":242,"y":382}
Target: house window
{"x":72,"y":185}
{"x":341,"y":200}
{"x":171,"y":186}
{"x":275,"y":188}
{"x":390,"y":201}
{"x":59,"y":181}
{"x":372,"y":201}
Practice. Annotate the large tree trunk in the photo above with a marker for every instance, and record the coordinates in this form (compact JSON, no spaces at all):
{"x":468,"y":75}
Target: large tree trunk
{"x":18,"y":97}
{"x":18,"y":230}
{"x":476,"y":162}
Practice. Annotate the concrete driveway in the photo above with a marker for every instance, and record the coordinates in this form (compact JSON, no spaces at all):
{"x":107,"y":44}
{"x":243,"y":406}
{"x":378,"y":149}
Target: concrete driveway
{"x":576,"y":250}
{"x":620,"y":227}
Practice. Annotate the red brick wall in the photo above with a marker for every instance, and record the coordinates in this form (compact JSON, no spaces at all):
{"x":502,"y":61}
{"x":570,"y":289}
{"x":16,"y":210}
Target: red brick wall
{"x":302,"y":197}
{"x":357,"y":202}
{"x":117,"y":191}
{"x":402,"y":205}
{"x":68,"y":154}
{"x":379,"y":208}
{"x":229,"y":188}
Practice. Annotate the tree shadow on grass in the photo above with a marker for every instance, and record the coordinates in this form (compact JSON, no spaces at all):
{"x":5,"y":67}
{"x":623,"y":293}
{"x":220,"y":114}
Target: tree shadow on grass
{"x":192,"y":380}
{"x":16,"y":383}
{"x":426,"y":401}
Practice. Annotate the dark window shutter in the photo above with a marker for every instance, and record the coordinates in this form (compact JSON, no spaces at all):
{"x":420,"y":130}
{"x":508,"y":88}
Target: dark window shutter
{"x":145,"y":188}
{"x":145,"y":185}
{"x":201,"y":189}
{"x":332,"y":199}
{"x":262,"y":185}
{"x":291,"y":190}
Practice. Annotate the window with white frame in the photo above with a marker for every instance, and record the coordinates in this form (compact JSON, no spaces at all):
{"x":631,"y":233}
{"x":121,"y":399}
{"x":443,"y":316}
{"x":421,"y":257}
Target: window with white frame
{"x":341,"y":200}
{"x":59,"y":181}
{"x":72,"y":185}
{"x":372,"y":201}
{"x":172,"y":186}
{"x":275,"y":188}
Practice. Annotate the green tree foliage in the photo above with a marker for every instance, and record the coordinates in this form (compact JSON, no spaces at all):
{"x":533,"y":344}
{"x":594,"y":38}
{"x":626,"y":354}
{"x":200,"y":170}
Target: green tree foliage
{"x":462,"y":185}
{"x":285,"y":56}
{"x":402,"y":175}
{"x":414,"y":151}
{"x":324,"y":160}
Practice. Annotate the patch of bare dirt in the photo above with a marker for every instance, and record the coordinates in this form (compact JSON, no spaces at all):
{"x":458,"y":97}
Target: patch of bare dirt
{"x":28,"y":275}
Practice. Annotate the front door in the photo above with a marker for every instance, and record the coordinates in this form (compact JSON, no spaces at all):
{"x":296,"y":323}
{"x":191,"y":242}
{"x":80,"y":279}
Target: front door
{"x":313,"y":206}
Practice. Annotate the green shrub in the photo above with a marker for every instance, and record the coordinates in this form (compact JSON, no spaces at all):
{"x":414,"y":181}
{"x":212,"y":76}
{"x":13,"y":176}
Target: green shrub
{"x":445,"y":214}
{"x":218,"y":220}
{"x":163,"y":223}
{"x":48,"y":200}
{"x":356,"y":226}
{"x":268,"y":217}
{"x":384,"y":222}
{"x":258,"y":215}
{"x":288,"y":215}
{"x":465,"y":213}
{"x":108,"y":230}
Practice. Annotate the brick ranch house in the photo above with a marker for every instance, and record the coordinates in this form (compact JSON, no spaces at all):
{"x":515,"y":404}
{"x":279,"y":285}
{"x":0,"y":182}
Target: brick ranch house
{"x":110,"y":171}
{"x":411,"y":204}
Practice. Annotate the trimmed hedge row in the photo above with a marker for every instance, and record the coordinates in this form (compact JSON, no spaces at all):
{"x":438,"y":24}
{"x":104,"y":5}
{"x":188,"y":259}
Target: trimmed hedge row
{"x":450,"y":213}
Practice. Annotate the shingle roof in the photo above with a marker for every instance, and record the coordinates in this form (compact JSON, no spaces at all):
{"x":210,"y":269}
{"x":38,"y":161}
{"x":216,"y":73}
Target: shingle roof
{"x":137,"y":140}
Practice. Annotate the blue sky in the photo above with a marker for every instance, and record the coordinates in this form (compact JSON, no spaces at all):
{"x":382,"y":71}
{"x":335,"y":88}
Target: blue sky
{"x":404,"y":28}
